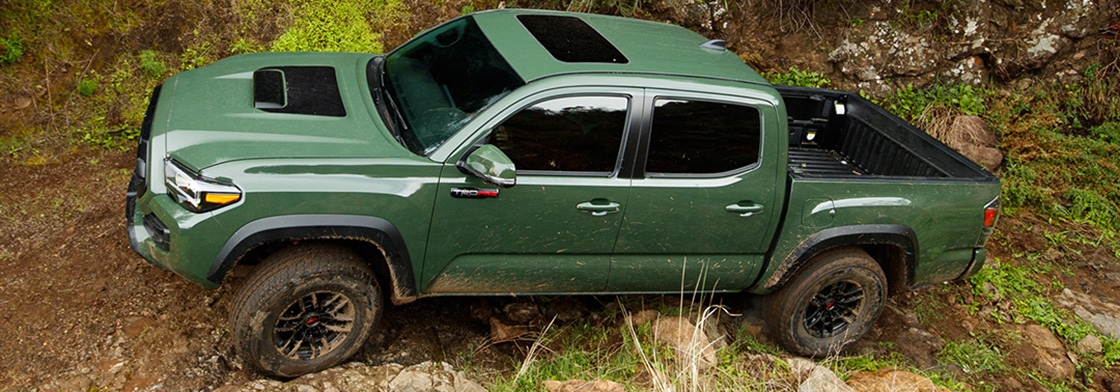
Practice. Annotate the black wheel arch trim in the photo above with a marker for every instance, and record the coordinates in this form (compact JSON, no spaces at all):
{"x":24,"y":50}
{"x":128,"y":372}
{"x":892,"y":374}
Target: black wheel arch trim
{"x":377,"y":231}
{"x":879,"y":234}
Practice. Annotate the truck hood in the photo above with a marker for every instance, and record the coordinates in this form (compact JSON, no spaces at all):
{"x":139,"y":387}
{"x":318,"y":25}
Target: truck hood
{"x":215,"y":113}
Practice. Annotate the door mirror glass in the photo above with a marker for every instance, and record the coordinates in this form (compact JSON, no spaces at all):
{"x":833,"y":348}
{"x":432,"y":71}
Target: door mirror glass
{"x":491,"y":165}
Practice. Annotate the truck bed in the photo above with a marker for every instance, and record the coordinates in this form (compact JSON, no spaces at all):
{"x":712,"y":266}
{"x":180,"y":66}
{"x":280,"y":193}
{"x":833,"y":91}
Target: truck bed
{"x":836,"y":134}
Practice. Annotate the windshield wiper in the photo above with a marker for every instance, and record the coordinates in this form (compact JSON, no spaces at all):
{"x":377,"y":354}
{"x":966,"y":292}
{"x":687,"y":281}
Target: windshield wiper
{"x":401,"y":131}
{"x":376,"y":76}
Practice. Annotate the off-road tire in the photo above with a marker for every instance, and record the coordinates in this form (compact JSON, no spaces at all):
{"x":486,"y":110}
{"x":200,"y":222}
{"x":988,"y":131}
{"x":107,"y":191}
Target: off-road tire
{"x":294,"y":274}
{"x":788,"y":309}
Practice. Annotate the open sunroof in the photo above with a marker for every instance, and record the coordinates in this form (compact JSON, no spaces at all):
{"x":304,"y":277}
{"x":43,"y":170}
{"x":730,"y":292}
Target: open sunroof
{"x":571,"y":40}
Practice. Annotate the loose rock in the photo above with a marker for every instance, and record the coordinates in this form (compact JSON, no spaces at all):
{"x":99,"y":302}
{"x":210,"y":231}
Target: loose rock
{"x":521,"y":312}
{"x":689,"y":342}
{"x":424,"y":377}
{"x":1090,"y":345}
{"x":583,"y":386}
{"x":816,"y":378}
{"x":891,"y":380}
{"x":500,"y":332}
{"x":1049,"y":352}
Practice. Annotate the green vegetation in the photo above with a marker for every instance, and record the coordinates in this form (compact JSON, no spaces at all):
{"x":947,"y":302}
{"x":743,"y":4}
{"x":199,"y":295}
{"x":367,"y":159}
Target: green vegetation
{"x":923,"y":18}
{"x":973,"y":356}
{"x":585,"y":350}
{"x":11,"y":49}
{"x":151,"y":65}
{"x":1063,"y":159}
{"x":798,"y":77}
{"x":1030,"y":288}
{"x":910,"y":103}
{"x":87,"y":87}
{"x":332,"y":26}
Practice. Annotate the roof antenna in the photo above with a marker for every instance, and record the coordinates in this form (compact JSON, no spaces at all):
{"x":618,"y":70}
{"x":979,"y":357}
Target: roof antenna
{"x":715,"y":44}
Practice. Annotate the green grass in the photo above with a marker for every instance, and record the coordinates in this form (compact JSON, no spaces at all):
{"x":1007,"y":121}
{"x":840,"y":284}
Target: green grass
{"x":1063,"y":152}
{"x":973,"y":356}
{"x":1029,"y":288}
{"x":798,"y":77}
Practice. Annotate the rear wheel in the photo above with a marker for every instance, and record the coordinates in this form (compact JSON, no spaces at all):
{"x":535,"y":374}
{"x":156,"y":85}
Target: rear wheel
{"x":306,"y":308}
{"x":829,"y":304}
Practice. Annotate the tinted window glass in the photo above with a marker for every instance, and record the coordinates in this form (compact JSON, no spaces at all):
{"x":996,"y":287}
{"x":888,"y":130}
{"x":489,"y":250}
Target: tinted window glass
{"x":579,"y":134}
{"x":571,"y":40}
{"x":441,"y":79}
{"x":699,"y":137}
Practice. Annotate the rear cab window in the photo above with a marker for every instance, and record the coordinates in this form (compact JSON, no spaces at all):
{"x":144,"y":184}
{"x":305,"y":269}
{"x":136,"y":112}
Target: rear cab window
{"x":700,"y":138}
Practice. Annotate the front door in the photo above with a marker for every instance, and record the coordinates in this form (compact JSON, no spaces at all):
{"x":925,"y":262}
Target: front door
{"x":702,"y":212}
{"x":554,"y":230}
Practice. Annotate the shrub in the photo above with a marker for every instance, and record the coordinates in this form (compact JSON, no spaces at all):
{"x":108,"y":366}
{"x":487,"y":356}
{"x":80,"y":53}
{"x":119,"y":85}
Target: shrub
{"x":11,"y":49}
{"x":87,"y":87}
{"x":798,"y":77}
{"x":330,"y":26}
{"x":151,"y":66}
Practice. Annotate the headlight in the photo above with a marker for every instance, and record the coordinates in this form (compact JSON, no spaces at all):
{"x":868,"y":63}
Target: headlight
{"x":195,"y":192}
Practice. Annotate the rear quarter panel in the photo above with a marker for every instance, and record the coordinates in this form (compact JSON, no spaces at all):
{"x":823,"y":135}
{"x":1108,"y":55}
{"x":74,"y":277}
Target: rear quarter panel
{"x":946,"y":216}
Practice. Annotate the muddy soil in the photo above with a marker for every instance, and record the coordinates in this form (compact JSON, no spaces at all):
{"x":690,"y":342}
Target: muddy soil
{"x":82,"y":310}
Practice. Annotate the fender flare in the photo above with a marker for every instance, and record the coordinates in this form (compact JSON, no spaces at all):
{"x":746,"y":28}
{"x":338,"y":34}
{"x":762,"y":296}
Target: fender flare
{"x":882,"y":234}
{"x":377,"y":231}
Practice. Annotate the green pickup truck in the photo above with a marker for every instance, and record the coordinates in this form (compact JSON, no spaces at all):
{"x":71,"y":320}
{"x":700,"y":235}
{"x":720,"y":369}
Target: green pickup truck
{"x":517,"y":152}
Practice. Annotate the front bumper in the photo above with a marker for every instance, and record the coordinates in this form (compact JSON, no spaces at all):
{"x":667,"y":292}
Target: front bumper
{"x":157,"y":231}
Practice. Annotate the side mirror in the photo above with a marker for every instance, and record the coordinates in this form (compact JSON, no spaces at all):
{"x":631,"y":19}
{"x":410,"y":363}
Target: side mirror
{"x":491,"y":165}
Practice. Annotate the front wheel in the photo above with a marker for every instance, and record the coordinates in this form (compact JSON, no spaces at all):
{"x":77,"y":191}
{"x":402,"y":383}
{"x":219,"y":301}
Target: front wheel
{"x":828,"y":305}
{"x":305,"y":309}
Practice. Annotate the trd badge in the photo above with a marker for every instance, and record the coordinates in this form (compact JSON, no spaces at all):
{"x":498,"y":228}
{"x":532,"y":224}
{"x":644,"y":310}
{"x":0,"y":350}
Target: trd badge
{"x":472,"y":193}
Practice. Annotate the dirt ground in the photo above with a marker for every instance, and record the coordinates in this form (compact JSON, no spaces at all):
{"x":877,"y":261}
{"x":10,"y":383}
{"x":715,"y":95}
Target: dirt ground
{"x":84,"y":311}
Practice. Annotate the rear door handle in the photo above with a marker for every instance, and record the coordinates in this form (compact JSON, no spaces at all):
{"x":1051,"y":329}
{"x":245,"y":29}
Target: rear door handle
{"x":599,"y":207}
{"x":744,"y":208}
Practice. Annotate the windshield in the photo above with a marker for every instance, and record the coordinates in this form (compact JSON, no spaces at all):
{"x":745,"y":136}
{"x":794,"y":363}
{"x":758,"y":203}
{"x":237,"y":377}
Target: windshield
{"x":441,"y":79}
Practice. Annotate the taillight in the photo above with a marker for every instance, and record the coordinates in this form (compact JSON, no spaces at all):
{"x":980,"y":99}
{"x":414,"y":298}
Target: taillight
{"x":991,"y":213}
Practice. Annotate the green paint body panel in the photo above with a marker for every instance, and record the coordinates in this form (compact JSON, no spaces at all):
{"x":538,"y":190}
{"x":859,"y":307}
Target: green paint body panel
{"x":667,"y":234}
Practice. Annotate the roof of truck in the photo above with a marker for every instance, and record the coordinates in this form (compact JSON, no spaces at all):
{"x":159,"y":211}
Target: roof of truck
{"x":557,"y":45}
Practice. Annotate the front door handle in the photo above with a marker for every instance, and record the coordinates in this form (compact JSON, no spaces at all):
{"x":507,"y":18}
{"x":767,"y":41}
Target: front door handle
{"x":599,"y":207}
{"x":744,"y":208}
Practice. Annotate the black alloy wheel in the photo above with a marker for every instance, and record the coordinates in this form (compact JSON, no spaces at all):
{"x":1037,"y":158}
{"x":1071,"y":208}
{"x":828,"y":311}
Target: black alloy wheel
{"x":830,"y":311}
{"x":314,"y":325}
{"x":304,"y":309}
{"x":829,"y":304}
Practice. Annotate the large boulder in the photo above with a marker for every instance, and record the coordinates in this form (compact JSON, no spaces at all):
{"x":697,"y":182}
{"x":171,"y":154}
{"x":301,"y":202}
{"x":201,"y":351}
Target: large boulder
{"x":894,"y":46}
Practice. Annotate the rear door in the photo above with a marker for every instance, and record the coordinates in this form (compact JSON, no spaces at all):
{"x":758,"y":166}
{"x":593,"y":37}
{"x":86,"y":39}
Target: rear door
{"x":554,"y":230}
{"x":704,"y":200}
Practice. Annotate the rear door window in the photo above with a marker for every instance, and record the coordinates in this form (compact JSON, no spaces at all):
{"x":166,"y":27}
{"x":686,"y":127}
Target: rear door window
{"x":693,"y":137}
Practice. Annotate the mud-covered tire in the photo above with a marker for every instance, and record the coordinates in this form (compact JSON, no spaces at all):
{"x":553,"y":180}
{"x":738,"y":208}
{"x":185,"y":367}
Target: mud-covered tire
{"x":299,"y":297}
{"x":813,"y":315}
